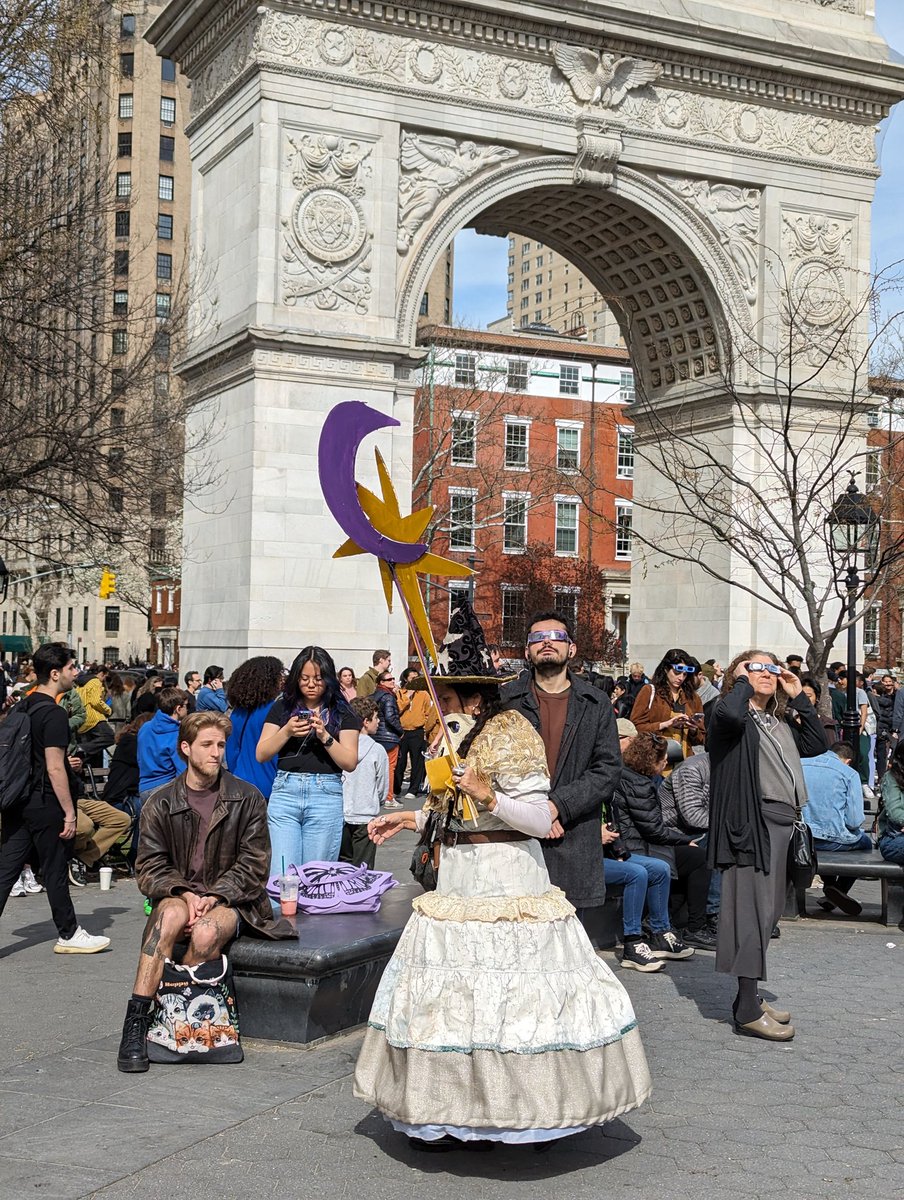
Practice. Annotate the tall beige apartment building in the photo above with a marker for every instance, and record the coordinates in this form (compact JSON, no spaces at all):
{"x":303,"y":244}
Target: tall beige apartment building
{"x":145,"y":198}
{"x":545,"y":288}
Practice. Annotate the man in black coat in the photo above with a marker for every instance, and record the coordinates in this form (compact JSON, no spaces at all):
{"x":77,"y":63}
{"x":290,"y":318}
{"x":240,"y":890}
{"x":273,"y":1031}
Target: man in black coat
{"x":577,"y":724}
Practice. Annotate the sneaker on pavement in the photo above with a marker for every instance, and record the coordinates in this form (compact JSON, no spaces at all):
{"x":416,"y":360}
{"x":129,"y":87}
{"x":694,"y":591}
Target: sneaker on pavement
{"x":81,"y":942}
{"x":701,"y":939}
{"x":410,"y":796}
{"x":19,"y":888}
{"x":669,"y":945}
{"x":28,"y":881}
{"x":78,"y":873}
{"x":392,"y":803}
{"x":638,"y":956}
{"x":133,"y":1048}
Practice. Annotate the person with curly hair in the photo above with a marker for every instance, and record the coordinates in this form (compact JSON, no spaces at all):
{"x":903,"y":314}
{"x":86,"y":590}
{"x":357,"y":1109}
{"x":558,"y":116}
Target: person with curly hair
{"x":252,"y":688}
{"x":670,"y":704}
{"x":761,"y":728}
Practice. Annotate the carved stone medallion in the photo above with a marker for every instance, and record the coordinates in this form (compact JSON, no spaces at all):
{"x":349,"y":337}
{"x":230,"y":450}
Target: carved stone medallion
{"x":329,"y":224}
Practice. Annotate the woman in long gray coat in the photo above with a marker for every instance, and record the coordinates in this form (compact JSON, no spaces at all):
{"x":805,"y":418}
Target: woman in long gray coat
{"x":757,"y":781}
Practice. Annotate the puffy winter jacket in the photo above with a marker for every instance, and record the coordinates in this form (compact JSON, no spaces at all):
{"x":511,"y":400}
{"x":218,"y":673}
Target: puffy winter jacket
{"x":639,"y":816}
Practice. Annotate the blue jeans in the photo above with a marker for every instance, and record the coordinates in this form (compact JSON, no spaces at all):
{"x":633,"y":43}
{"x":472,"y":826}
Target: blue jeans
{"x":644,"y":879}
{"x":864,"y":842}
{"x":891,"y":847}
{"x":305,"y":819}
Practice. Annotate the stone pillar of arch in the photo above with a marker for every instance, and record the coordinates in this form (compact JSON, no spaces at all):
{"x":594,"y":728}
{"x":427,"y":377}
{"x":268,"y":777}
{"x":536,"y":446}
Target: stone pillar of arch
{"x":337,"y":148}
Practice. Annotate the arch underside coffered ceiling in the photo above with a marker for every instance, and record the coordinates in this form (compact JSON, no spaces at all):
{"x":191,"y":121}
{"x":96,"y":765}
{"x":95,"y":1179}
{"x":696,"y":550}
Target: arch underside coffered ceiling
{"x":675,"y":304}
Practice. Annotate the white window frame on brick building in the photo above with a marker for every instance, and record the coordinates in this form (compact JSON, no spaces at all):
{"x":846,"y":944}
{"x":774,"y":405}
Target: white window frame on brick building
{"x":517,"y":376}
{"x":512,"y":423}
{"x":456,"y":514}
{"x":624,"y":536}
{"x":512,"y":597}
{"x":626,"y":391}
{"x":569,"y":379}
{"x":624,"y":453}
{"x":568,"y":445}
{"x":515,"y":507}
{"x":564,"y":526}
{"x":463,"y":451}
{"x":465,"y":369}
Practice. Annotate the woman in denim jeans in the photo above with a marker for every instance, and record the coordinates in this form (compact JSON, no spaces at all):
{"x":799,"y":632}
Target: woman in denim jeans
{"x":315,"y":736}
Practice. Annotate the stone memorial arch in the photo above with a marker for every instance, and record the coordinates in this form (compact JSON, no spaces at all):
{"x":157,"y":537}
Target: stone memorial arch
{"x":339,"y":145}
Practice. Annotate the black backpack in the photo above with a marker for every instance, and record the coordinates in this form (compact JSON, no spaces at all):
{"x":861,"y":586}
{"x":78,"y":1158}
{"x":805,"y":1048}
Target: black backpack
{"x":15,"y":757}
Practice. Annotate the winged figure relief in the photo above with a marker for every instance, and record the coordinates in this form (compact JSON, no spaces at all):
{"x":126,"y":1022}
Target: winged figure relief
{"x":602,"y":78}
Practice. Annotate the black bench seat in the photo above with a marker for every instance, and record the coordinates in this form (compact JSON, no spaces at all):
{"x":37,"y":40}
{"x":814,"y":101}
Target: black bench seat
{"x":862,"y":864}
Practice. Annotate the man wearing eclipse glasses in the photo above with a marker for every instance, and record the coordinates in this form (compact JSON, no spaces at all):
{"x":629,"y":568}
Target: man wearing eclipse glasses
{"x":577,"y":725}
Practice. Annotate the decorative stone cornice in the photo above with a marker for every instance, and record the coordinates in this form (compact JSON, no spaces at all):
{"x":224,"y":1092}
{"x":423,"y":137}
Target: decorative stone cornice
{"x":433,"y":20}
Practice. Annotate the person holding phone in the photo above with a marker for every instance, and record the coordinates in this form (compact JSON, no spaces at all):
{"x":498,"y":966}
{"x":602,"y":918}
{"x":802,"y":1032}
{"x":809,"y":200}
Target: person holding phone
{"x":670,"y":705}
{"x":313,"y":734}
{"x":212,"y":696}
{"x":761,"y":728}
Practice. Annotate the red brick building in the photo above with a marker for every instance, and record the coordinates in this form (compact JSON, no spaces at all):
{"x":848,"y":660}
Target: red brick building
{"x":524,"y":445}
{"x":166,"y":606}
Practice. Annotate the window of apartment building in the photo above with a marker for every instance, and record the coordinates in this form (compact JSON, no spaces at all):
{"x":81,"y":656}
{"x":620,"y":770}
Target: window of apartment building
{"x":517,"y":375}
{"x":871,"y":472}
{"x":459,"y":590}
{"x":525,"y":249}
{"x":513,"y":616}
{"x":623,"y":533}
{"x":538,"y":315}
{"x":511,"y":278}
{"x":111,"y":655}
{"x":565,"y":600}
{"x":165,"y":226}
{"x":464,"y":439}
{"x":516,"y":442}
{"x":117,"y":496}
{"x":167,"y":70}
{"x":539,"y":261}
{"x":511,"y":260}
{"x":170,"y":600}
{"x":424,"y":309}
{"x":121,"y":262}
{"x":164,"y":266}
{"x":111,"y":618}
{"x":167,"y":148}
{"x":525,"y":285}
{"x":569,"y":379}
{"x":4,"y":622}
{"x":158,"y":502}
{"x":116,"y":460}
{"x":164,"y":187}
{"x":126,"y":106}
{"x":465,"y":370}
{"x":161,"y":383}
{"x":124,"y":145}
{"x":162,"y":305}
{"x":624,"y":461}
{"x":566,"y":526}
{"x":123,"y":223}
{"x":538,"y":299}
{"x":871,"y":631}
{"x":85,"y":616}
{"x":447,"y":310}
{"x":120,"y":341}
{"x":16,"y":620}
{"x":514,"y":521}
{"x":525,"y":303}
{"x":168,"y":110}
{"x":525,"y":268}
{"x":158,"y":600}
{"x":59,"y":617}
{"x":117,"y":418}
{"x":127,"y":65}
{"x":568,"y":446}
{"x":626,"y":390}
{"x":120,"y":304}
{"x":69,"y":613}
{"x":123,"y":183}
{"x":461,"y":518}
{"x":157,"y":543}
{"x":126,"y":25}
{"x":161,"y":346}
{"x":538,"y":281}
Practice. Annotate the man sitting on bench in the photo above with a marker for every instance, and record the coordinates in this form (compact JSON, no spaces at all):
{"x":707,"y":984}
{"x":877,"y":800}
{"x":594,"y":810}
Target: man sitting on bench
{"x":203,"y":862}
{"x":834,"y":812}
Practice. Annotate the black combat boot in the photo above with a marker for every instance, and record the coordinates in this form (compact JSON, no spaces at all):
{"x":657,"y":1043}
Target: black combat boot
{"x":133,"y":1050}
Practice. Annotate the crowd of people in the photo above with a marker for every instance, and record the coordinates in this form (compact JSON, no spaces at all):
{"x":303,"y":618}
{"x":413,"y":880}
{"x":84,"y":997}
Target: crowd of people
{"x":680,"y":788}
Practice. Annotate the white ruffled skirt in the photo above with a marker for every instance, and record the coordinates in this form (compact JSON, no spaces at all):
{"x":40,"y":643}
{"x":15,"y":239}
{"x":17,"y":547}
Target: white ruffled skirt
{"x":495,"y":1018}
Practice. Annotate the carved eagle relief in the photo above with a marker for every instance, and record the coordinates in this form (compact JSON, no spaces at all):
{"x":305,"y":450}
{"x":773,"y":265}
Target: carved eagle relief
{"x":602,"y":78}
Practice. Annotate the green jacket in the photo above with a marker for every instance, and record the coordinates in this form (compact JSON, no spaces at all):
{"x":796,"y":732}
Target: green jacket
{"x":891,"y":815}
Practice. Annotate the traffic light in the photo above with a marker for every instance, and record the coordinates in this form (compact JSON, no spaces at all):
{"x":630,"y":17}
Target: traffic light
{"x":107,"y":584}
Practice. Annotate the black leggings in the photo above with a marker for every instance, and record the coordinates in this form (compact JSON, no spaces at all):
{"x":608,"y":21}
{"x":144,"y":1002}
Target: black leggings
{"x":693,"y":876}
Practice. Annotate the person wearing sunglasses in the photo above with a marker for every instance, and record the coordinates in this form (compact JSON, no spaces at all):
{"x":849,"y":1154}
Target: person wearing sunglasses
{"x":670,"y":705}
{"x":761,"y":728}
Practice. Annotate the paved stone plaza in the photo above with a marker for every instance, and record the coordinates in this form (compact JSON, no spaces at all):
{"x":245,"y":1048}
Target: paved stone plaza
{"x":729,"y":1117}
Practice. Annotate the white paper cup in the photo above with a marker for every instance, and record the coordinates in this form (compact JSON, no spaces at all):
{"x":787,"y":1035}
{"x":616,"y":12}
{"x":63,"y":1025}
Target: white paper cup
{"x":106,"y":878}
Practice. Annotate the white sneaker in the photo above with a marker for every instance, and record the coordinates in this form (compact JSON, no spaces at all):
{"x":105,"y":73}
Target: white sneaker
{"x":19,"y":888}
{"x":81,"y":942}
{"x":410,"y":796}
{"x":28,"y":881}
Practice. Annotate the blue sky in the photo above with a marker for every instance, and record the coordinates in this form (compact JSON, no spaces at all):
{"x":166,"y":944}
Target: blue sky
{"x":481,"y":263}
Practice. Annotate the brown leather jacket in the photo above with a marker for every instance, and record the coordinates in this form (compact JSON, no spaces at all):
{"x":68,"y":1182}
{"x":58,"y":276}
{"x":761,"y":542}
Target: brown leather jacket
{"x":236,"y":853}
{"x":650,"y":710}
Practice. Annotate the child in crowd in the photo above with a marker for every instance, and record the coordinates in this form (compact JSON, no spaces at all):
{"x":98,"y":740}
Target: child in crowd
{"x":364,"y":789}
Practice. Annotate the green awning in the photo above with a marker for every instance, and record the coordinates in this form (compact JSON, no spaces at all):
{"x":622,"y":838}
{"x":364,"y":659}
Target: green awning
{"x":15,"y":643}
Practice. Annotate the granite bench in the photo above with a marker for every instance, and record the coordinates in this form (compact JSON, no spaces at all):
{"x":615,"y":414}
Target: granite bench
{"x":325,"y":980}
{"x":858,"y":864}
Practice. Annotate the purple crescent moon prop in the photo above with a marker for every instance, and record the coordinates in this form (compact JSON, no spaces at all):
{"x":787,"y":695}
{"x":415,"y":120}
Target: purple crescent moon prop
{"x":344,"y":429}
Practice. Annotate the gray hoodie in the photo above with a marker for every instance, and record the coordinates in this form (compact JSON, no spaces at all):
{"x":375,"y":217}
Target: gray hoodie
{"x":365,"y":788}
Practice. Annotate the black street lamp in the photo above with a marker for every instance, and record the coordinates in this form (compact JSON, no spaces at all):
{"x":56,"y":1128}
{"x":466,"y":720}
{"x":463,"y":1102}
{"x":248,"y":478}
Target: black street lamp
{"x":4,"y":581}
{"x":853,"y":529}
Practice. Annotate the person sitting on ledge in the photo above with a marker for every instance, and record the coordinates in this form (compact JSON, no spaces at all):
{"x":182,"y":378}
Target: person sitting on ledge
{"x":834,"y":812}
{"x":203,"y":860}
